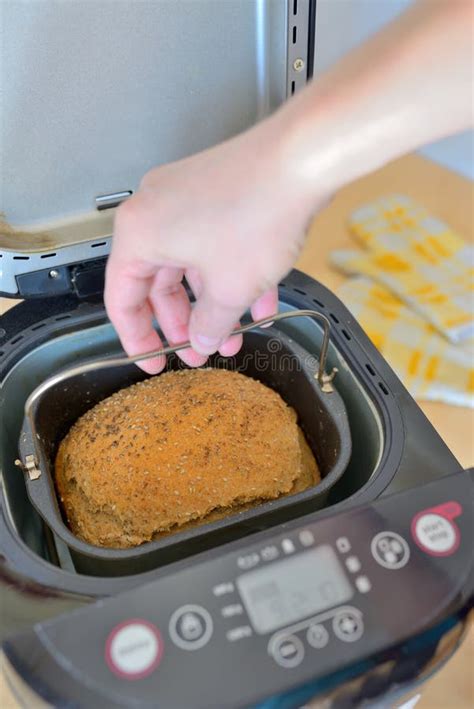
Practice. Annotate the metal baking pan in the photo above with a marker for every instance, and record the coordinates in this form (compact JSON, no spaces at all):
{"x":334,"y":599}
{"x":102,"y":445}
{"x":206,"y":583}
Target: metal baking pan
{"x":267,"y":355}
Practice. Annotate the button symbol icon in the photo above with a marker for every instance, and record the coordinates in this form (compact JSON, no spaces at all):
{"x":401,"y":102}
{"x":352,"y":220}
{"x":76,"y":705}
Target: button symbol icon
{"x":390,"y":550}
{"x":348,"y":626}
{"x":306,"y":537}
{"x":343,"y":545}
{"x":190,"y":627}
{"x":133,"y":649}
{"x":353,"y":564}
{"x":363,"y":584}
{"x":287,"y":546}
{"x":288,"y":651}
{"x":317,"y":636}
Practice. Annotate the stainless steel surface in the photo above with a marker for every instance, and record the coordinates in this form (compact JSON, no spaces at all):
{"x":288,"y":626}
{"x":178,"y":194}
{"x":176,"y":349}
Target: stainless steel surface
{"x":324,"y":379}
{"x":108,"y":201}
{"x":96,"y":93}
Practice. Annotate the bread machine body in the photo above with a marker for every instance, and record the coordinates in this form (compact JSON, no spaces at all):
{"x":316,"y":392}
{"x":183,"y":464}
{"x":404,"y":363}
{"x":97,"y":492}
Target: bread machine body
{"x":228,"y":63}
{"x":394,"y":449}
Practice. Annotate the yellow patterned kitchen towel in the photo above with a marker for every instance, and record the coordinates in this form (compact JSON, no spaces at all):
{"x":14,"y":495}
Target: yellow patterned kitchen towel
{"x":419,"y":259}
{"x":432,"y":368}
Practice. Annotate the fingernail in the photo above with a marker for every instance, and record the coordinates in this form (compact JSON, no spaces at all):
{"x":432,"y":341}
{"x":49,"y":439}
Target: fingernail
{"x":210,"y":344}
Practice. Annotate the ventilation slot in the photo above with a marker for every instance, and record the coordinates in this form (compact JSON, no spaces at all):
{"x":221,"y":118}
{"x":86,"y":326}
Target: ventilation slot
{"x":346,"y":335}
{"x":21,"y":258}
{"x":293,"y":87}
{"x":62,"y":317}
{"x":295,"y":7}
{"x":301,"y":292}
{"x":383,"y":388}
{"x":99,"y":243}
{"x":38,"y":327}
{"x":17,"y":339}
{"x":294,"y":35}
{"x":333,"y":317}
{"x":318,"y":302}
{"x":370,"y":369}
{"x":48,"y":255}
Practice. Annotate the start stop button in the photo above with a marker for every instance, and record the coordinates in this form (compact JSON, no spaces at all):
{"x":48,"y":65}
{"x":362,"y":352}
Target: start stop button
{"x":133,"y":649}
{"x":435,"y":532}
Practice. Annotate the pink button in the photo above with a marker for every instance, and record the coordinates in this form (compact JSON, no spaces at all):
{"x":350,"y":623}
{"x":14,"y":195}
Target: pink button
{"x":133,"y":649}
{"x":435,"y":532}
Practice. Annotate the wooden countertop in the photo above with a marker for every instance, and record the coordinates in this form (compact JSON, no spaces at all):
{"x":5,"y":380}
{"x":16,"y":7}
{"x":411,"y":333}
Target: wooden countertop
{"x":450,"y":197}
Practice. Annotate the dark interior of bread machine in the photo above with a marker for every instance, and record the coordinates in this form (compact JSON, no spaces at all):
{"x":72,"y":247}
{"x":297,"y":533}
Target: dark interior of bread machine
{"x":76,"y":342}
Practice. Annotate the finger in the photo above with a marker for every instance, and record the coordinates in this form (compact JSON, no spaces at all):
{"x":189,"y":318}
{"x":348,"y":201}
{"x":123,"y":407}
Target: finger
{"x":127,"y":289}
{"x":173,"y":310}
{"x":231,"y":345}
{"x":265,"y":306}
{"x":194,"y":281}
{"x":211,"y":322}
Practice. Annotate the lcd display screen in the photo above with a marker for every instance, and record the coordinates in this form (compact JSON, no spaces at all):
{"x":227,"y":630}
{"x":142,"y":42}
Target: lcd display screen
{"x":287,"y":591}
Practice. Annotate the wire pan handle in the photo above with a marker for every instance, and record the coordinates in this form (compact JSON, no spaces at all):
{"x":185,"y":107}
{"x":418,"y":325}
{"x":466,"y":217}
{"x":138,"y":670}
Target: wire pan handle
{"x":324,"y":379}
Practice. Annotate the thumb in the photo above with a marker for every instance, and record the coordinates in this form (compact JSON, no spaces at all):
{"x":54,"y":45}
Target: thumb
{"x":211,"y":322}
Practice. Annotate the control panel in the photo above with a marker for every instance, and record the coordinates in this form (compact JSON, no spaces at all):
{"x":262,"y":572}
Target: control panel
{"x":257,"y":617}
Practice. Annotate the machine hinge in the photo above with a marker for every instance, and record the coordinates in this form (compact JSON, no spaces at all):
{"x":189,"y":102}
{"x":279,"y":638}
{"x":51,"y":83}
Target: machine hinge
{"x":29,"y":467}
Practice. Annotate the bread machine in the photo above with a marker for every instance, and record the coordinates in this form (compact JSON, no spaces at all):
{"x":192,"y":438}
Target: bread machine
{"x":354,"y":604}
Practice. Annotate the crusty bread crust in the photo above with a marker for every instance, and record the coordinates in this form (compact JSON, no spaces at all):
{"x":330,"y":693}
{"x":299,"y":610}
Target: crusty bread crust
{"x":175,"y":451}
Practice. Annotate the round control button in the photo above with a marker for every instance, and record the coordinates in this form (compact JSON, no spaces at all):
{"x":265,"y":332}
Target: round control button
{"x":190,"y":627}
{"x":390,"y":550}
{"x":288,"y":651}
{"x":435,"y":534}
{"x":133,"y":649}
{"x":348,"y":626}
{"x":317,"y":636}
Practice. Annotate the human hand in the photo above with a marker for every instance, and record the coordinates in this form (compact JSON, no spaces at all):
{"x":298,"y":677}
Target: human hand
{"x":231,"y":221}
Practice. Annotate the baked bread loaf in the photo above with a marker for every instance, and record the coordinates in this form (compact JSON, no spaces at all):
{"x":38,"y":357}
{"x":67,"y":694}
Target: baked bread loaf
{"x":177,"y":450}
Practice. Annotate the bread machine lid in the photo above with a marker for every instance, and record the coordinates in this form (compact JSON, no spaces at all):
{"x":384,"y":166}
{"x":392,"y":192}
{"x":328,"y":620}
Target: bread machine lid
{"x":97,"y":93}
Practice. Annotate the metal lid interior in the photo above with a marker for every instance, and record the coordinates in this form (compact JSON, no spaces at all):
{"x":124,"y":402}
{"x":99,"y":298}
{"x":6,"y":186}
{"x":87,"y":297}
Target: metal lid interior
{"x":97,"y":93}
